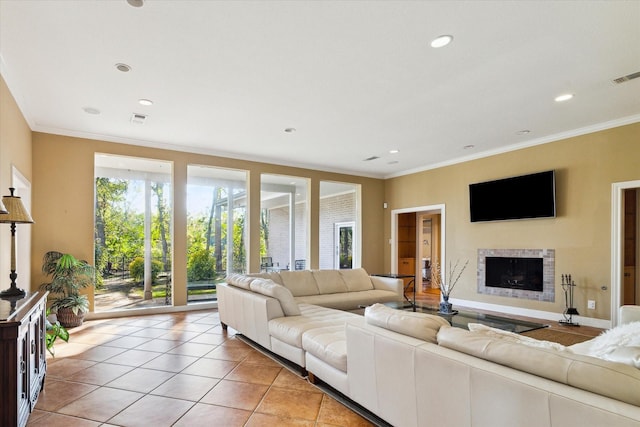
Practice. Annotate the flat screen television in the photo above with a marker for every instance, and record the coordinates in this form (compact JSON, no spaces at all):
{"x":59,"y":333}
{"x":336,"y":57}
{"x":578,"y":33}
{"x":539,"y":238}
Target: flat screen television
{"x":518,"y":197}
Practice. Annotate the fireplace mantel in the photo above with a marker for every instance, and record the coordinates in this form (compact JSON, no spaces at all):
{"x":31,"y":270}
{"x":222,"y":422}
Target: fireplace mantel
{"x":548,"y":287}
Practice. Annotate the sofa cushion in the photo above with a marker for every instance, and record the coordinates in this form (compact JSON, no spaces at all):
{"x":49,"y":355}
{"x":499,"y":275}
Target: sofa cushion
{"x":328,"y":344}
{"x":603,"y":377}
{"x":300,"y":283}
{"x":349,"y":300}
{"x":290,"y":329}
{"x":270,"y":288}
{"x":356,"y":279}
{"x":329,"y":281}
{"x":418,"y":325}
{"x":271,"y":275}
{"x":239,"y":280}
{"x":513,"y":337}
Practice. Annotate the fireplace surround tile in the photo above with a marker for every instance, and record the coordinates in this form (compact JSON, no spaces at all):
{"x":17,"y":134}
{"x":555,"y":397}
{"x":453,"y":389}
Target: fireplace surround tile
{"x":548,"y":287}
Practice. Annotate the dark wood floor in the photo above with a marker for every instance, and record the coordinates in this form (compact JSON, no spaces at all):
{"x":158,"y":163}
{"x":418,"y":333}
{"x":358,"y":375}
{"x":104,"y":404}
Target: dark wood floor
{"x":432,"y":297}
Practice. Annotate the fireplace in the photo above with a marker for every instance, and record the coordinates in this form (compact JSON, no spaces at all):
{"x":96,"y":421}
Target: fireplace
{"x":517,"y":273}
{"x":514,"y":273}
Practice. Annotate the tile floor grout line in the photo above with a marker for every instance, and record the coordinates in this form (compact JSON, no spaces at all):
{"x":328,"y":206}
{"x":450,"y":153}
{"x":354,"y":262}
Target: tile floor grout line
{"x":224,"y":340}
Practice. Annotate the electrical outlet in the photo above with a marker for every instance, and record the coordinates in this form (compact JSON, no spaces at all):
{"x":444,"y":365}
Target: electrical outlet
{"x":591,"y":304}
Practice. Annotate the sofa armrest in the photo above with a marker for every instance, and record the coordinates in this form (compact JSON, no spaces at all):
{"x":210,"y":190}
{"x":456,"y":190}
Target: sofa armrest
{"x":629,"y":313}
{"x":248,"y":312}
{"x":388,"y":284}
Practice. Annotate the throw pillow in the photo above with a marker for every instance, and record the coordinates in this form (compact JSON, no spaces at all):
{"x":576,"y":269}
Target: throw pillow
{"x":270,"y":288}
{"x":418,"y":325}
{"x":356,"y":279}
{"x":620,"y":344}
{"x":629,"y":355}
{"x":501,"y":334}
{"x":239,"y":280}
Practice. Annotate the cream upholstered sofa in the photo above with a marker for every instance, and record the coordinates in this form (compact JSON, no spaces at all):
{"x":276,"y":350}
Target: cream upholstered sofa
{"x":466,"y":378}
{"x":629,"y":313}
{"x":413,"y":369}
{"x":276,"y":309}
{"x":347,"y":289}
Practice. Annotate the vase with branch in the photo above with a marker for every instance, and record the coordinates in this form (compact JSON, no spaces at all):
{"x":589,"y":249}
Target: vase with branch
{"x":454,"y":273}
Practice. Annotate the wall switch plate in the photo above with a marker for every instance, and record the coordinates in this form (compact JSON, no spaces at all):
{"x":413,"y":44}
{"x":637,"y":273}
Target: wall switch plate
{"x":591,"y":304}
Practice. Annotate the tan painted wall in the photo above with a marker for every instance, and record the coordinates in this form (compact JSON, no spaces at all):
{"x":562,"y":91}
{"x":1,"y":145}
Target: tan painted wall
{"x":63,"y":187}
{"x":61,"y":171}
{"x":586,"y":166}
{"x":15,"y":151}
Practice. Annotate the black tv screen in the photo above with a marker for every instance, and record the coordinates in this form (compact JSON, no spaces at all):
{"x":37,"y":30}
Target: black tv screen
{"x":518,"y":197}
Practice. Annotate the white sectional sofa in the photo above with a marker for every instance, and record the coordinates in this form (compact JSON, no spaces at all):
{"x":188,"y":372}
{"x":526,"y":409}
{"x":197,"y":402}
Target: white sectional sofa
{"x":339,"y":289}
{"x":276,"y":309}
{"x":413,"y":369}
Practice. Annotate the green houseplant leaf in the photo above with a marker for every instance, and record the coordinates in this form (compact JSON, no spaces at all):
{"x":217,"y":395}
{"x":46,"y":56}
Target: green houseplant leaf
{"x":54,"y":330}
{"x":68,"y":276}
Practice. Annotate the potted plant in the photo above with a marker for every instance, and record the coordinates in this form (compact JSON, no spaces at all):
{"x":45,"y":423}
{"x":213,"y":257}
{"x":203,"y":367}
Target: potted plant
{"x":68,"y":276}
{"x":54,"y":331}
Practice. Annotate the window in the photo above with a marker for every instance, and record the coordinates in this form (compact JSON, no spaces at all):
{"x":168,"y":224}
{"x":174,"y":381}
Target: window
{"x":133,"y":217}
{"x":216,"y":228}
{"x":339,"y":225}
{"x":284,"y":222}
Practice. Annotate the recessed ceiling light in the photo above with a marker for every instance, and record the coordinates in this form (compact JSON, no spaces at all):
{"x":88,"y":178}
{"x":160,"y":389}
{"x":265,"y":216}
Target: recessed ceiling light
{"x":91,"y":110}
{"x":290,"y":130}
{"x":469,"y":147}
{"x":523,"y":132}
{"x":123,"y":67}
{"x":145,"y":102}
{"x":136,"y":3}
{"x":564,"y":97}
{"x":441,"y":41}
{"x":394,"y":151}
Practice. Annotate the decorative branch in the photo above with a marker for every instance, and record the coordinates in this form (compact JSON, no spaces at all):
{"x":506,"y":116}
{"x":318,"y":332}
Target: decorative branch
{"x":446,"y":288}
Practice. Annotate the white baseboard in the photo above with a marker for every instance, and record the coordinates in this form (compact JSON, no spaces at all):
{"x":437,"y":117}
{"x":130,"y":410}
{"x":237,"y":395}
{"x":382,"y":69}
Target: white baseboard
{"x":537,"y":314}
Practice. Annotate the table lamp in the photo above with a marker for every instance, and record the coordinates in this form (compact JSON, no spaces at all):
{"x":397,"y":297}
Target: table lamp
{"x":15,"y":213}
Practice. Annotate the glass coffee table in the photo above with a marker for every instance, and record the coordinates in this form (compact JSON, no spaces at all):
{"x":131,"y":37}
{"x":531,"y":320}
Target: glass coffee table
{"x":461,"y":318}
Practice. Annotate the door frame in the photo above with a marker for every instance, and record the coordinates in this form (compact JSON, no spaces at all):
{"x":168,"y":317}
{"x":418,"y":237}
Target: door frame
{"x":23,"y":244}
{"x":617,"y":210}
{"x":429,"y":209}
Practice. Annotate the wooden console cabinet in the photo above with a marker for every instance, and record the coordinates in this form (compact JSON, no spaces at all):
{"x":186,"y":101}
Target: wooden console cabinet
{"x":23,"y":359}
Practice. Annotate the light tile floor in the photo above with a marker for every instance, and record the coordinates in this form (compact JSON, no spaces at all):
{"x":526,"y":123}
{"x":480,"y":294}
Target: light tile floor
{"x":177,"y":369}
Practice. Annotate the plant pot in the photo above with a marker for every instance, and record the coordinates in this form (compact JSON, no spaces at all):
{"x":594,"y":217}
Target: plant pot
{"x":68,"y":319}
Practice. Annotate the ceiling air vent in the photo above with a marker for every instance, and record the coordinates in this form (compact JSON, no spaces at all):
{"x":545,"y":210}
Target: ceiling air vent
{"x":627,"y":78}
{"x":138,"y":119}
{"x":368,"y":159}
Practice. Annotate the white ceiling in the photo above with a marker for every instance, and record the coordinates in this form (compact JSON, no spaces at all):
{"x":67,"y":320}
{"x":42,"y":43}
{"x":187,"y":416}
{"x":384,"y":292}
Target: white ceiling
{"x":355,"y":78}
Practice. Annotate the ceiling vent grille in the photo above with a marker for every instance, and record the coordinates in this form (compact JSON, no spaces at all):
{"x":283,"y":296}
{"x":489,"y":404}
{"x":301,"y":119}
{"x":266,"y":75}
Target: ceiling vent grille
{"x":627,"y":78}
{"x":368,"y":159}
{"x":138,"y":119}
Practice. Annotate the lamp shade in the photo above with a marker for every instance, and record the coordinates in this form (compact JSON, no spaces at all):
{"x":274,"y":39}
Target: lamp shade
{"x":16,"y":211}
